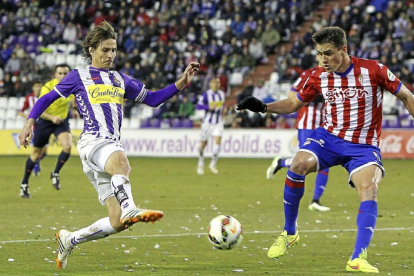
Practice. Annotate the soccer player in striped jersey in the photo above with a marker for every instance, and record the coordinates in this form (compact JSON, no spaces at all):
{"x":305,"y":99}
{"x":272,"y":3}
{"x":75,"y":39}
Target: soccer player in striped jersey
{"x":309,"y":118}
{"x":353,"y":91}
{"x":100,"y":95}
{"x":28,"y":104}
{"x":212,"y":102}
{"x":53,"y":121}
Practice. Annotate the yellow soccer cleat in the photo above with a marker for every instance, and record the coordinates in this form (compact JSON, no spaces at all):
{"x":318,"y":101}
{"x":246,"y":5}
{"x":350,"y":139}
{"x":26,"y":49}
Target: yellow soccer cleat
{"x":361,"y":264}
{"x":282,"y":243}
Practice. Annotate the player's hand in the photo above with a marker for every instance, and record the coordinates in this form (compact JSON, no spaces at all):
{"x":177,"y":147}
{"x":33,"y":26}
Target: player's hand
{"x":57,"y":120}
{"x":253,"y":104}
{"x":192,"y":68}
{"x":26,"y":135}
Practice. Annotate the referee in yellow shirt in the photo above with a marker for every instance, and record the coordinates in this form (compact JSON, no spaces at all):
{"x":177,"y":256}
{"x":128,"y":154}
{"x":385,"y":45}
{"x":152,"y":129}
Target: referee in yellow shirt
{"x":53,"y":121}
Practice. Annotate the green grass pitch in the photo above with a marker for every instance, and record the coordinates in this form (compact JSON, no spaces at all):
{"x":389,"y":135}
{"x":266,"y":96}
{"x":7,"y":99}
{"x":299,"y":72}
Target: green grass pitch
{"x":177,"y":245}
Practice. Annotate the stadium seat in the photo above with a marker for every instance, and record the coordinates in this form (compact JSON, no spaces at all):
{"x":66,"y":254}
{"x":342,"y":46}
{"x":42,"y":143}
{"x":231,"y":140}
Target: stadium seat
{"x":60,"y":58}
{"x":71,"y":48}
{"x":134,"y":123}
{"x":187,"y":123}
{"x":3,"y":103}
{"x":40,"y":59}
{"x":19,"y":123}
{"x":236,"y":78}
{"x":389,"y":103}
{"x":11,"y":113}
{"x":274,"y":78}
{"x":176,"y":123}
{"x":61,"y":48}
{"x":79,"y":124}
{"x":13,"y":103}
{"x":2,"y":113}
{"x":146,"y":112}
{"x":165,"y":123}
{"x":125,"y":123}
{"x":71,"y":61}
{"x":53,"y":48}
{"x":145,"y":123}
{"x":1,"y":124}
{"x":198,"y":115}
{"x":285,"y":88}
{"x":20,"y":103}
{"x":50,"y":60}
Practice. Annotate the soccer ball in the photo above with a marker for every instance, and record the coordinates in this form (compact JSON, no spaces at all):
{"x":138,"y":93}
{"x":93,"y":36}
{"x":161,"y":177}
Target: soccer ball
{"x":225,"y":232}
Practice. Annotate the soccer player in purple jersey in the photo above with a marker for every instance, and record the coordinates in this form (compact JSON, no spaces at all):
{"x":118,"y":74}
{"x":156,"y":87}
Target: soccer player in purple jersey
{"x":212,"y":102}
{"x":100,"y":94}
{"x":353,"y":91}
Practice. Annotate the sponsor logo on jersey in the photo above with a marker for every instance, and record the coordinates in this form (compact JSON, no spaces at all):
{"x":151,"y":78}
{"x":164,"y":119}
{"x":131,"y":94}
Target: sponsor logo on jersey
{"x":101,"y":93}
{"x":338,"y":94}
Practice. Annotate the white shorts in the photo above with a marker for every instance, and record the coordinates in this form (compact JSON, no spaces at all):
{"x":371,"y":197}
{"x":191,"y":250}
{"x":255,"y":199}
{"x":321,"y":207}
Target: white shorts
{"x":94,"y":152}
{"x":208,"y":130}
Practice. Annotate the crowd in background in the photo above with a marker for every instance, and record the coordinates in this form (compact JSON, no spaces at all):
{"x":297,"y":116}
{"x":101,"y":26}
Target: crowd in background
{"x":149,"y":33}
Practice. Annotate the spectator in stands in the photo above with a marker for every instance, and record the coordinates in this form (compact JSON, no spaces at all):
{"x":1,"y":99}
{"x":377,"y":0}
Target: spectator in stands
{"x":237,"y":26}
{"x":9,"y":89}
{"x":229,"y":116}
{"x":270,"y":38}
{"x":319,"y":23}
{"x":256,"y":50}
{"x":293,"y":72}
{"x":185,"y":108}
{"x":247,"y":62}
{"x":260,"y":91}
{"x":13,"y":65}
{"x":307,"y":60}
{"x":233,"y":63}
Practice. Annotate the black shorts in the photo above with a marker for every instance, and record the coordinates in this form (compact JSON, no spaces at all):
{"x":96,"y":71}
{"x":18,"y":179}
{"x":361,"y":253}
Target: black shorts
{"x":45,"y":128}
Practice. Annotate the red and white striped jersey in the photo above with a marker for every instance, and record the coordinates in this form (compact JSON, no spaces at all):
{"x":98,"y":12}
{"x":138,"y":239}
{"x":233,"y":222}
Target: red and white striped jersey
{"x":353,"y":99}
{"x":29,"y":102}
{"x":311,"y":115}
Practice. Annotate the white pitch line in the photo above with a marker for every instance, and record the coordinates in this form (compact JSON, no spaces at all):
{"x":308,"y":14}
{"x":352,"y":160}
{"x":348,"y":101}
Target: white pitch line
{"x":196,"y":234}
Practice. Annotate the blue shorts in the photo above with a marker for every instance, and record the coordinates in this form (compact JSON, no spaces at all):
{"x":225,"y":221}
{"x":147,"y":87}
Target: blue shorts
{"x":330,"y":151}
{"x":303,"y":134}
{"x":45,"y":128}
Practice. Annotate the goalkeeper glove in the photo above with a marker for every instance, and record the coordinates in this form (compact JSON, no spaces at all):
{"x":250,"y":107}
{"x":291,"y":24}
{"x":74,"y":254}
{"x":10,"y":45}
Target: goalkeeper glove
{"x":253,"y":104}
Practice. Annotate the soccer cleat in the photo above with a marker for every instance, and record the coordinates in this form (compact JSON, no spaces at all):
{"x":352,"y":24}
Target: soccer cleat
{"x":213,"y":169}
{"x":282,"y":243}
{"x":24,"y":190}
{"x":317,"y":206}
{"x":64,"y":248}
{"x":361,"y":264}
{"x":200,"y":170}
{"x":36,"y":169}
{"x":140,"y":215}
{"x":274,"y":167}
{"x":55,"y":180}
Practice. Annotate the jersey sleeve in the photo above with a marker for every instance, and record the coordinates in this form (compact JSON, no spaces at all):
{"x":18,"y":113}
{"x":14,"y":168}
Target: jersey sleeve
{"x":387,"y":80}
{"x":310,"y":90}
{"x":68,"y":85}
{"x":134,"y":89}
{"x":298,"y":84}
{"x":25,"y":104}
{"x":202,"y":102}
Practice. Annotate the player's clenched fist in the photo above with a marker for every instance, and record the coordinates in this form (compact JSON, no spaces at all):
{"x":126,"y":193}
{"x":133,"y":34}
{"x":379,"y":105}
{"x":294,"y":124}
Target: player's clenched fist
{"x":253,"y":104}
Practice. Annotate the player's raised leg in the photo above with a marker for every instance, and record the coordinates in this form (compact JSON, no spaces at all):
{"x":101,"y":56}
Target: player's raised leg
{"x":320,"y":185}
{"x":276,"y":165}
{"x":366,"y":182}
{"x":118,"y":166}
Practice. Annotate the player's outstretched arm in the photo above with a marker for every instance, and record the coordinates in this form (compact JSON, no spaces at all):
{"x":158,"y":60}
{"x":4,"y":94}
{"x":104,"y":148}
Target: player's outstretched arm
{"x":40,"y":106}
{"x":407,"y":98}
{"x":285,"y":106}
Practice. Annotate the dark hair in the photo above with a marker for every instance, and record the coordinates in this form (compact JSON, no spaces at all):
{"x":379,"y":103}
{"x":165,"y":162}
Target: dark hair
{"x":62,"y":65}
{"x":94,"y":37}
{"x":334,"y":35}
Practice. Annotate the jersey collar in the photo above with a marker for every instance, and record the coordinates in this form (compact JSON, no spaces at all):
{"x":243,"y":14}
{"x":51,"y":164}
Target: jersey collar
{"x":99,"y":69}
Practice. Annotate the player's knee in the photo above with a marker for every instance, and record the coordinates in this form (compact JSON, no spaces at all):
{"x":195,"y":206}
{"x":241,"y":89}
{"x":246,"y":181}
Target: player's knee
{"x":67,"y":147}
{"x":301,"y":166}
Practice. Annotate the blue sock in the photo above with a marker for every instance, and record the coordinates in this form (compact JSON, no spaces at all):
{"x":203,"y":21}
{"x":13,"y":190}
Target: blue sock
{"x":320,"y":183}
{"x":285,"y":163}
{"x":367,"y":217}
{"x":294,"y":190}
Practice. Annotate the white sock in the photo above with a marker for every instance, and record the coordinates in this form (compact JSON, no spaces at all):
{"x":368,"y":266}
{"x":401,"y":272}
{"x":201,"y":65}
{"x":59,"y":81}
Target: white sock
{"x":288,"y":161}
{"x":121,"y":187}
{"x":201,"y":159}
{"x":98,"y":230}
{"x":216,"y":151}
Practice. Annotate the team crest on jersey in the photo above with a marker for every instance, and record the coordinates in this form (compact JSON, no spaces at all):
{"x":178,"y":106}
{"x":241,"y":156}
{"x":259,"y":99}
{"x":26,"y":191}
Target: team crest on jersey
{"x":361,"y":79}
{"x":390,"y":75}
{"x":117,"y":81}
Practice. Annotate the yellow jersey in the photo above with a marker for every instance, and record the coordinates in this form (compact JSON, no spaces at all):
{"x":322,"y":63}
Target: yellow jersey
{"x":61,"y":106}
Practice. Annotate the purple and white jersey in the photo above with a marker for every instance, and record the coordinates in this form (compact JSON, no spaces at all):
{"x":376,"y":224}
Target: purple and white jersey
{"x":212,"y":103}
{"x":100,"y":96}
